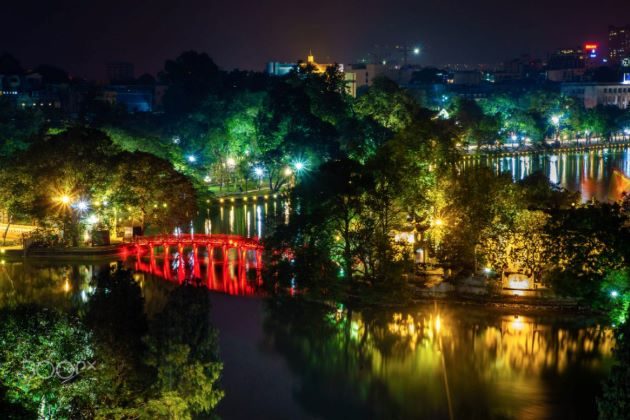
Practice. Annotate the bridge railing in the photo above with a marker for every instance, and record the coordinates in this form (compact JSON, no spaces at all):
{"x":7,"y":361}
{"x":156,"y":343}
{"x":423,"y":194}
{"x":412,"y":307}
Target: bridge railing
{"x":199,"y":239}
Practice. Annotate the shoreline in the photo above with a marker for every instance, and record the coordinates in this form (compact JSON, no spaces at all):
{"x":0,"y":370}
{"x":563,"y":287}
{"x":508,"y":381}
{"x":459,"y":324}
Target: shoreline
{"x":545,"y":149}
{"x":532,"y":306}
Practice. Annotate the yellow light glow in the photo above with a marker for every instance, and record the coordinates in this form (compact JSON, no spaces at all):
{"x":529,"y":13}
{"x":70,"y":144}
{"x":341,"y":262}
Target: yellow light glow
{"x":64,"y":199}
{"x":438,"y":222}
{"x":287,"y":171}
{"x":519,"y":283}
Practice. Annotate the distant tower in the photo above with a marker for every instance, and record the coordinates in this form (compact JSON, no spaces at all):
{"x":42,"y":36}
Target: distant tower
{"x":311,"y":58}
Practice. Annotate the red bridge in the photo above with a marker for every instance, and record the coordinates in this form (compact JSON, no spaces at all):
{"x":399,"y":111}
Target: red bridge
{"x":221,"y":262}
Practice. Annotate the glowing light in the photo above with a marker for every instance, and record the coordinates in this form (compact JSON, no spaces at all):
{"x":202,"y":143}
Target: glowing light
{"x":555,"y":119}
{"x":416,"y":51}
{"x":614,"y":294}
{"x":230,"y":162}
{"x":519,"y":283}
{"x":299,"y":166}
{"x":259,"y":171}
{"x":517,"y":323}
{"x":487,"y":270}
{"x":64,"y":199}
{"x":82,"y":205}
{"x":93,"y":219}
{"x":192,"y":158}
{"x":207,"y":179}
{"x":287,"y":171}
{"x":438,"y":222}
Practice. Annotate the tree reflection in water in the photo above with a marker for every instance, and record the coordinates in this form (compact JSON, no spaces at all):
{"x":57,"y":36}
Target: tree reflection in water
{"x":164,"y":365}
{"x":385,"y":364}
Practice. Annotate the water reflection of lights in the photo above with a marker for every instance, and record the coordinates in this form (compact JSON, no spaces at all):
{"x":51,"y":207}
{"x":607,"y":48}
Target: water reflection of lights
{"x":587,"y":172}
{"x":520,"y":283}
{"x":517,"y":345}
{"x":517,"y":323}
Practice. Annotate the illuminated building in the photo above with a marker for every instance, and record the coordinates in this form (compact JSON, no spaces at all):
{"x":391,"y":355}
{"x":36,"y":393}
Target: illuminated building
{"x":365,"y":74}
{"x":276,"y":68}
{"x":594,"y":94}
{"x":566,"y":65}
{"x":618,"y":43}
{"x":591,"y":54}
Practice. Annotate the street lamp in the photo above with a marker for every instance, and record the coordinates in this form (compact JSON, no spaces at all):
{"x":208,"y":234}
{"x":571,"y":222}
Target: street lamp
{"x":192,"y":158}
{"x":258,"y":171}
{"x":416,"y":51}
{"x":82,"y":205}
{"x":555,"y":120}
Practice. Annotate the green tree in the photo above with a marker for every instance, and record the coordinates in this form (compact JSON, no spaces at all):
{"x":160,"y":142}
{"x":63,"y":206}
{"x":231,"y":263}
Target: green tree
{"x":182,"y":348}
{"x":39,"y":358}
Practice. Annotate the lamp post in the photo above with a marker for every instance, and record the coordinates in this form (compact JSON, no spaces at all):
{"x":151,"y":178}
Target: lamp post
{"x":555,"y":120}
{"x":259,"y":172}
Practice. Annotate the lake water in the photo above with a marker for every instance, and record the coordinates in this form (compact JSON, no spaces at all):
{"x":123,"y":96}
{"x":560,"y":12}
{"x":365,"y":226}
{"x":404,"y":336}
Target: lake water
{"x":288,"y":360}
{"x":599,"y":174}
{"x":284,"y":360}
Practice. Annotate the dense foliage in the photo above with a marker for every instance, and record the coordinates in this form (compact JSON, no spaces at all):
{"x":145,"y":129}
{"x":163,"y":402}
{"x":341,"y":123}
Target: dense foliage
{"x":107,"y":360}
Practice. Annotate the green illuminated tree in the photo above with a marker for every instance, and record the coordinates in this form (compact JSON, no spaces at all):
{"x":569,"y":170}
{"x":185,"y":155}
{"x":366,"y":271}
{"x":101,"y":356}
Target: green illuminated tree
{"x":41,"y":350}
{"x":182,"y":348}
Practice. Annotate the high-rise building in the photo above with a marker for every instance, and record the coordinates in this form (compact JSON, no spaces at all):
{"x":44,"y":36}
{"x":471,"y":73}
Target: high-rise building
{"x":618,"y":43}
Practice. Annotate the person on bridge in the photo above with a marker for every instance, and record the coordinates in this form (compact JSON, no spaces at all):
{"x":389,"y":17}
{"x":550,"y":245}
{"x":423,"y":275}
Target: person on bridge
{"x":175,"y":263}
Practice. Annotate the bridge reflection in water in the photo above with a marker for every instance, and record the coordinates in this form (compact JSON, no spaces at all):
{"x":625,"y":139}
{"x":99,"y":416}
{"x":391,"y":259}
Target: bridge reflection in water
{"x":230,"y":264}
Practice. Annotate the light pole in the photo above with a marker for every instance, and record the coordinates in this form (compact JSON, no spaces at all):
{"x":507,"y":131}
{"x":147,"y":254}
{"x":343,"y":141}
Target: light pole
{"x":259,"y":172}
{"x":555,"y":120}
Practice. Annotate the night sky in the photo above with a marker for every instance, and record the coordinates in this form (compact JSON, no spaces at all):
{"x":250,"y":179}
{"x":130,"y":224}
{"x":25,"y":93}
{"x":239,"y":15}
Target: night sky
{"x":82,"y":35}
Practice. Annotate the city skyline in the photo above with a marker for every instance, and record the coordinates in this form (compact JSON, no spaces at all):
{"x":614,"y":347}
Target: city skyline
{"x":83,"y":38}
